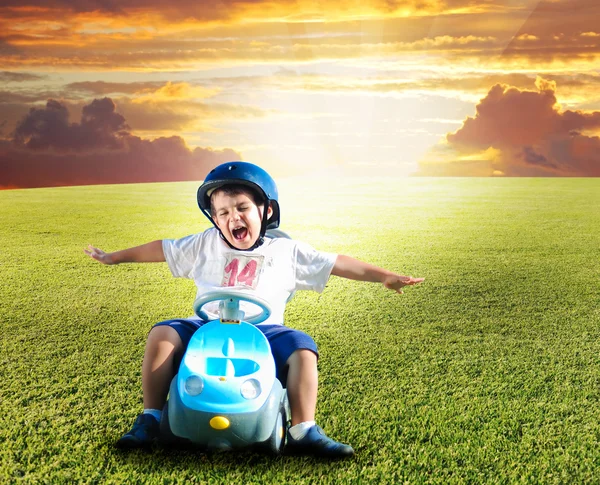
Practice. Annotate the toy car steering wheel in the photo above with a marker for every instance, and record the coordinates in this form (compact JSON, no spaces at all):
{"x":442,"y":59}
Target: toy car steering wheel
{"x":234,"y":298}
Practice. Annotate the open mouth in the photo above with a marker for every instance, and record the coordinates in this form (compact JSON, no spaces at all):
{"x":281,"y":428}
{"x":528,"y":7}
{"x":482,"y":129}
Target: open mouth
{"x":240,"y":233}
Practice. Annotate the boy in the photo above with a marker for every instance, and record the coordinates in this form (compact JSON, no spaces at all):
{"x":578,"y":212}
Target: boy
{"x":241,"y":201}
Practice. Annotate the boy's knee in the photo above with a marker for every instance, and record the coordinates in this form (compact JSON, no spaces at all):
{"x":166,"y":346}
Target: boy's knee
{"x":164,"y":333}
{"x":302,"y":356}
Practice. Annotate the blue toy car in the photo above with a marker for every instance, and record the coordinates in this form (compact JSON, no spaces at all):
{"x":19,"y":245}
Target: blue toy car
{"x":225,"y":395}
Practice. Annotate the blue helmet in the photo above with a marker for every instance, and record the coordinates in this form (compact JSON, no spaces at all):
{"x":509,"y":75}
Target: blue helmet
{"x":242,"y":173}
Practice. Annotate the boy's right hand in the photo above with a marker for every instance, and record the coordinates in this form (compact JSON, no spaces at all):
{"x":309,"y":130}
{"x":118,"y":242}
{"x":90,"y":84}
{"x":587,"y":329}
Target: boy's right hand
{"x":98,"y":255}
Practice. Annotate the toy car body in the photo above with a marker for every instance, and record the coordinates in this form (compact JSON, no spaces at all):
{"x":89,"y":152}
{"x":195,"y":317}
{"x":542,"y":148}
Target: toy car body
{"x":226,"y":395}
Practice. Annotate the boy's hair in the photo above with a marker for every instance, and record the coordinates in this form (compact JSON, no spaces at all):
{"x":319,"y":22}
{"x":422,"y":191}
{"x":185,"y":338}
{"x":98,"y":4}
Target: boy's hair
{"x":236,"y":189}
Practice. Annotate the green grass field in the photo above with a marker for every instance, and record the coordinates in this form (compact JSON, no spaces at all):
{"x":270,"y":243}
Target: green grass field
{"x":488,"y":372}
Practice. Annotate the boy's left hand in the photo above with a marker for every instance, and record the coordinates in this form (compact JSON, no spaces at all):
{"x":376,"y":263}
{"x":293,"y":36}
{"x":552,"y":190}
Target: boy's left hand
{"x":397,"y":282}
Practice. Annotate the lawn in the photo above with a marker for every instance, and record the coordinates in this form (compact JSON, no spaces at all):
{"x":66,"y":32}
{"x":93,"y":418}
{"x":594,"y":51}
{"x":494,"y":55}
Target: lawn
{"x":489,"y":371}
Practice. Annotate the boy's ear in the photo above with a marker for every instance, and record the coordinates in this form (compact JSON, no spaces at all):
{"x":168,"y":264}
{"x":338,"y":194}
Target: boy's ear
{"x":270,"y":210}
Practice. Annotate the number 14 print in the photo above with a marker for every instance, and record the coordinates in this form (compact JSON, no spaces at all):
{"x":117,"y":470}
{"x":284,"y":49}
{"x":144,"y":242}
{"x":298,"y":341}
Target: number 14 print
{"x":242,"y":270}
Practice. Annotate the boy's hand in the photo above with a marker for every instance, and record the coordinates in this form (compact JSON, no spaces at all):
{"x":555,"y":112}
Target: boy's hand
{"x":397,"y":282}
{"x":98,"y":255}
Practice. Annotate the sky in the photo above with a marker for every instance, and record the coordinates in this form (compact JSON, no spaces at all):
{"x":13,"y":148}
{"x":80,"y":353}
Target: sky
{"x":102,"y":91}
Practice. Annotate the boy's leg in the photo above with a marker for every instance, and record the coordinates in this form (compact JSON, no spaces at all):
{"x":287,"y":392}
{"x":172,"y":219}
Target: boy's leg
{"x":163,"y":346}
{"x":305,"y":437}
{"x":296,"y":356}
{"x":302,"y":385}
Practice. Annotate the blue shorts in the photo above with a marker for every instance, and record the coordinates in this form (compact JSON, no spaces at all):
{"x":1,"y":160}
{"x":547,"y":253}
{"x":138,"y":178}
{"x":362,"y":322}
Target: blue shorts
{"x":284,"y":341}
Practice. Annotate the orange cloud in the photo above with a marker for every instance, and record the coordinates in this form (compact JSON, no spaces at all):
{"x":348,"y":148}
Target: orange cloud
{"x":18,"y":77}
{"x":524,"y":133}
{"x":225,"y":10}
{"x":103,"y":87}
{"x":157,"y":108}
{"x":148,"y":34}
{"x":48,"y":150}
{"x":173,"y":91}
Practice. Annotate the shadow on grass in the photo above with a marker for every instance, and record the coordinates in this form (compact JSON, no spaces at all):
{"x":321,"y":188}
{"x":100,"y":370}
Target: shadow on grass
{"x":163,"y":463}
{"x":168,"y":458}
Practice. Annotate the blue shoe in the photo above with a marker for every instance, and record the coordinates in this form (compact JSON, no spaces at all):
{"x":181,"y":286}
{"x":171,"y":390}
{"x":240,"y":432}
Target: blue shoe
{"x":317,"y":443}
{"x":144,"y":432}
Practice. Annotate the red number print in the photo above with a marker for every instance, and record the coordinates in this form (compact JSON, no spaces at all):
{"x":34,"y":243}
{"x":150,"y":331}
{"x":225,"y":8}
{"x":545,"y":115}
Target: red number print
{"x":233,"y":269}
{"x":246,"y":277}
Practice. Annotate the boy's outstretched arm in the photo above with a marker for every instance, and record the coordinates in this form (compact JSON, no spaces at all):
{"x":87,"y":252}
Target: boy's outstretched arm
{"x":354,"y":269}
{"x":151,"y":252}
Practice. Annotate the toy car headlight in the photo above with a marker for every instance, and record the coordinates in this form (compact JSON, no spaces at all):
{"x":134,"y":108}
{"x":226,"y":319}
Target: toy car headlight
{"x":250,"y":389}
{"x":194,"y":385}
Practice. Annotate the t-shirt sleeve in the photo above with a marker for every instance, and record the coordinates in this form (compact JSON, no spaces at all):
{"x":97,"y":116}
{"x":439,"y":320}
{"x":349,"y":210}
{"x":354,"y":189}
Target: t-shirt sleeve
{"x":180,"y":254}
{"x":313,"y":268}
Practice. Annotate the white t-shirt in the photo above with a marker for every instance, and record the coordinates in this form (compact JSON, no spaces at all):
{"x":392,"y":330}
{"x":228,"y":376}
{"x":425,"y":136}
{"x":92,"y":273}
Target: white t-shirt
{"x":274,"y":270}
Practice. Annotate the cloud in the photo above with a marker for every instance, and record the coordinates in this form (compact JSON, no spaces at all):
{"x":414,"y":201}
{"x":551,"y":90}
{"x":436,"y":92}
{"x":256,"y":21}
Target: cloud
{"x":523,"y":133}
{"x":18,"y":77}
{"x":181,"y":106}
{"x":469,"y":86}
{"x":154,"y":108}
{"x":48,"y":150}
{"x":144,"y":35}
{"x":176,"y":91}
{"x":11,"y":97}
{"x":161,"y":117}
{"x":558,"y":30}
{"x":104,"y":88}
{"x":527,"y":37}
{"x":49,"y":127}
{"x":226,"y":9}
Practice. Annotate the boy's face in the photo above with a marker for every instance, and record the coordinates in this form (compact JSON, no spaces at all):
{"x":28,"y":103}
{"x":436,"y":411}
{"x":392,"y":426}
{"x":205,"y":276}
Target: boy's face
{"x":238,"y":218}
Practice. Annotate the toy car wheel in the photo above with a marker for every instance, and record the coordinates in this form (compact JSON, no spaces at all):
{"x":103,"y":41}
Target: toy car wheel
{"x":166,"y":436}
{"x":276,"y":441}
